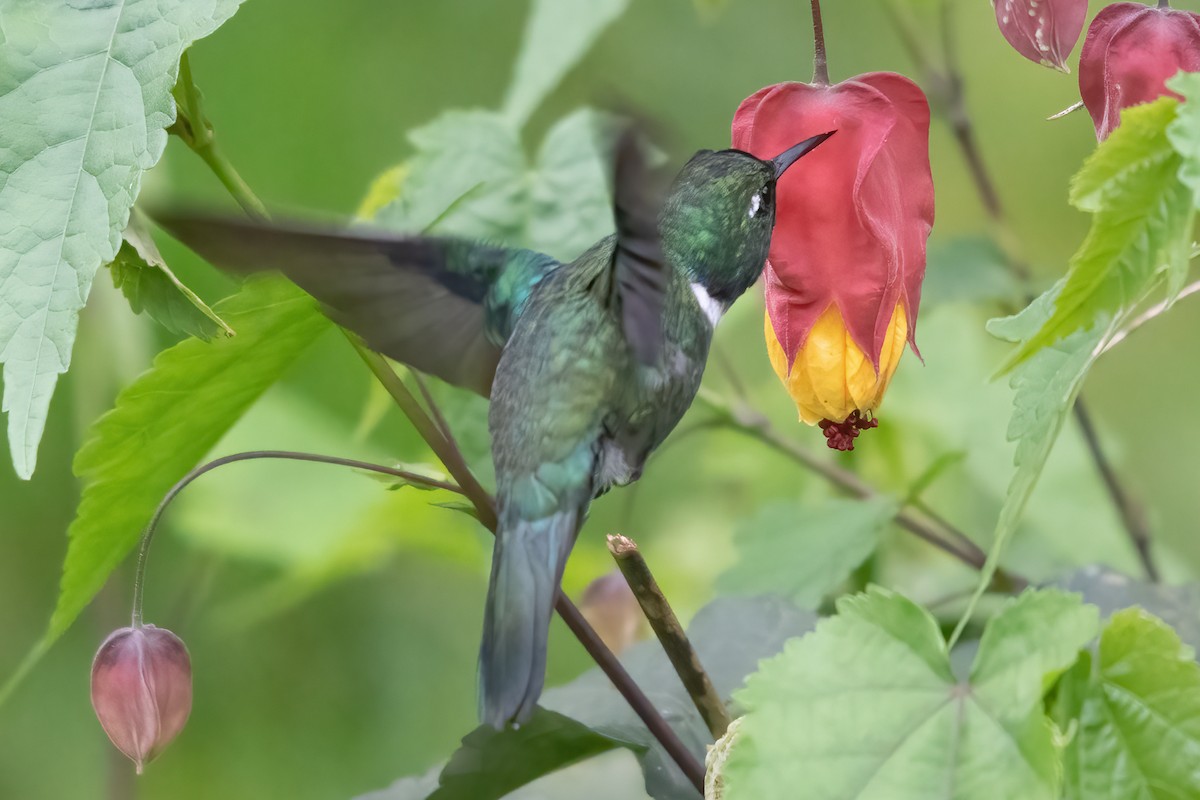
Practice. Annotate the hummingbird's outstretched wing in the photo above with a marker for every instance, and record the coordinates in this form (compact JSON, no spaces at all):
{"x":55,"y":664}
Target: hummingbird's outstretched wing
{"x":639,"y":270}
{"x":445,"y":306}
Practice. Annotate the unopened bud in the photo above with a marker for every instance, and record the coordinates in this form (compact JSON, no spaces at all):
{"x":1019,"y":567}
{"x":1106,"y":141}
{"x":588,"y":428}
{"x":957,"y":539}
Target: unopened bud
{"x":1044,"y":31}
{"x":1129,"y":53}
{"x":142,"y":690}
{"x":609,"y":605}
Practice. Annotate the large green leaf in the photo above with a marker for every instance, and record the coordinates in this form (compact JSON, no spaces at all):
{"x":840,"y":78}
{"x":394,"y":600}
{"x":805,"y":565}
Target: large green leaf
{"x":1141,"y":228}
{"x":1137,"y":714}
{"x":1045,"y":388}
{"x":85,"y":89}
{"x":557,"y":35}
{"x":730,"y":635}
{"x":868,"y":708}
{"x":805,"y":552}
{"x":164,"y":423}
{"x":151,"y":287}
{"x":473,"y":163}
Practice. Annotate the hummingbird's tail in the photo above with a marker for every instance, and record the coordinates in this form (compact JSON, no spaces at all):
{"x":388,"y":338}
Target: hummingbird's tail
{"x":527,"y":565}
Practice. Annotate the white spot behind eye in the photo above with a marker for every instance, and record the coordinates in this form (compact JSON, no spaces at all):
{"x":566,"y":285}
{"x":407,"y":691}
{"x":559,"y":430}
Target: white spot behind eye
{"x":755,"y":203}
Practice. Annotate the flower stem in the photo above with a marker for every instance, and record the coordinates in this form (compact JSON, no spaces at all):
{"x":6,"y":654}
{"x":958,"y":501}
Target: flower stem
{"x":139,"y":577}
{"x":820,"y":62}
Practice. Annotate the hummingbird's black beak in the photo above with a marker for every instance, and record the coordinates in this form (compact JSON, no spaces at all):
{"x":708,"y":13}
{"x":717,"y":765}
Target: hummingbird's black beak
{"x":793,"y":153}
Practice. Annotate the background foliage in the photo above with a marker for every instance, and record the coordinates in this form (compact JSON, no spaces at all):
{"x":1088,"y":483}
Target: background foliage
{"x":334,"y":635}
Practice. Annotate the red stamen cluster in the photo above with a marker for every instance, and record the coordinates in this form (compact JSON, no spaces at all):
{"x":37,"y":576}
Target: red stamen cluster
{"x":841,"y":435}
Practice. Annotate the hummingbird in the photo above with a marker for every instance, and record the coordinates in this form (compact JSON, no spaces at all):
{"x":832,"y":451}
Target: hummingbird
{"x":588,"y":365}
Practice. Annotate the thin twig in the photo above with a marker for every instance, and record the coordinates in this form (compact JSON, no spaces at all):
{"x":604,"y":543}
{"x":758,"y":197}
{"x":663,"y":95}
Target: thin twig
{"x":139,"y":576}
{"x":1149,"y":314}
{"x":670,"y":634}
{"x":1132,"y":515}
{"x":961,"y":548}
{"x":438,"y":417}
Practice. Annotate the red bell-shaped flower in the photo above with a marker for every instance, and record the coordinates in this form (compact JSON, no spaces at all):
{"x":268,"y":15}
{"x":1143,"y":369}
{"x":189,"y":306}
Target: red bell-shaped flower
{"x":843,"y":278}
{"x":1044,"y":31}
{"x":142,"y":690}
{"x":1129,"y":53}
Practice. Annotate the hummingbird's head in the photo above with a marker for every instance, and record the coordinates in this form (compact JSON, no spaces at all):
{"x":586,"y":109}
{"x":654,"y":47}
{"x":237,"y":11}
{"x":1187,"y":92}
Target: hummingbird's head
{"x":717,"y":220}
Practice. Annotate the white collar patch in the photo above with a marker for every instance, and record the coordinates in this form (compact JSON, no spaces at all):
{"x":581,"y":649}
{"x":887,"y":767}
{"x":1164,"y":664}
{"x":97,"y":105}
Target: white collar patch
{"x":712,"y":308}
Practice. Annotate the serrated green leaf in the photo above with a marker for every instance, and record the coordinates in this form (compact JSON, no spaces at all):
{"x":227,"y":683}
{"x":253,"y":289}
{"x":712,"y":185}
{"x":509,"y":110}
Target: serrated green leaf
{"x":1044,"y":390}
{"x":163,"y":424}
{"x":557,"y":35}
{"x":473,"y":164}
{"x":867,"y":707}
{"x":90,"y":85}
{"x":1141,"y":229}
{"x":569,"y":196}
{"x":1184,"y":130}
{"x":149,"y":285}
{"x":1137,"y":710}
{"x":805,"y":552}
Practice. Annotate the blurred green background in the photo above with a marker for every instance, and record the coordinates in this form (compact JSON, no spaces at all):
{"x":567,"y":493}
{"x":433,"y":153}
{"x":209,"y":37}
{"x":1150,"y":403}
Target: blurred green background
{"x":333,"y":626}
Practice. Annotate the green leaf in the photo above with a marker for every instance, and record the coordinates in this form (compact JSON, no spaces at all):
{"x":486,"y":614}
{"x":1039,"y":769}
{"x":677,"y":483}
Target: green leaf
{"x":730,"y":636}
{"x":90,"y":84}
{"x":454,"y":154}
{"x":492,"y":763}
{"x":1184,"y":130}
{"x":1110,"y":591}
{"x":867,"y":707}
{"x":805,"y":552}
{"x":149,"y":285}
{"x":1142,"y":227}
{"x":1137,"y":710}
{"x":473,"y":163}
{"x":163,"y":424}
{"x":557,"y":35}
{"x":1045,"y":388}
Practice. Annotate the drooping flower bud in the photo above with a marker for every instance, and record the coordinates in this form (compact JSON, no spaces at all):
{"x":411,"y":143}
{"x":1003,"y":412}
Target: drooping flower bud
{"x":142,"y":690}
{"x":609,"y":605}
{"x":843,"y":278}
{"x":1129,"y":53}
{"x":1044,"y":31}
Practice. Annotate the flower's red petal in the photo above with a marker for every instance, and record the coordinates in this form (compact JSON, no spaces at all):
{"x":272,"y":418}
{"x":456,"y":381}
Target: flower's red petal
{"x":1044,"y":31}
{"x":1129,"y":53}
{"x":851,"y":229}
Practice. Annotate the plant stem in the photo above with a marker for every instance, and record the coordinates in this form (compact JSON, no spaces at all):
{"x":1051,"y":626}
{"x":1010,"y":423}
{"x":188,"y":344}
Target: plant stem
{"x":670,"y":634}
{"x":139,"y":577}
{"x":1131,"y":512}
{"x":1149,"y":314}
{"x":197,"y":132}
{"x":961,"y":548}
{"x":820,"y":62}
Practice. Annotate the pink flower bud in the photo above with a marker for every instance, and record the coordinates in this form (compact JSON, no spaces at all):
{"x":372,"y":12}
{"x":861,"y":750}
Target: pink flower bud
{"x":1129,"y":53}
{"x":609,"y":606}
{"x":1044,"y":31}
{"x":142,"y":690}
{"x":848,"y":254}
